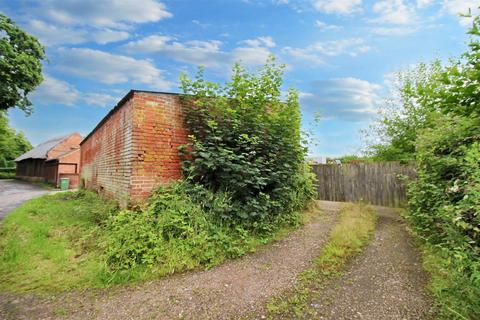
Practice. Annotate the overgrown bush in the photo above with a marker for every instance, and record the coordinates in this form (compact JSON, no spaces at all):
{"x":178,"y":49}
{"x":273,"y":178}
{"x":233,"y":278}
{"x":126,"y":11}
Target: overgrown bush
{"x":246,"y":142}
{"x":445,"y":198}
{"x":178,"y":229}
{"x":434,"y":118}
{"x":393,"y":134}
{"x":245,"y":179}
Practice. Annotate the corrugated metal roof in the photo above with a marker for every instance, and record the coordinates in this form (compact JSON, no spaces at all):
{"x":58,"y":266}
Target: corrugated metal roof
{"x":40,"y":151}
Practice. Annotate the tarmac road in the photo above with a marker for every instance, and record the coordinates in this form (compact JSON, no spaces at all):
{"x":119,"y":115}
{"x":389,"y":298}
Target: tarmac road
{"x":14,"y":192}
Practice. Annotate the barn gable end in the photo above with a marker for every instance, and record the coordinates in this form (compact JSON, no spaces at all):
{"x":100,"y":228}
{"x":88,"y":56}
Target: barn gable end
{"x":134,"y":148}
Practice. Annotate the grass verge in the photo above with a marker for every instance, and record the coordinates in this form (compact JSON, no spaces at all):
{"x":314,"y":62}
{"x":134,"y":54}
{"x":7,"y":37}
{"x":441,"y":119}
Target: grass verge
{"x":79,"y":240}
{"x":352,"y":232}
{"x":456,"y":295}
{"x":50,"y":243}
{"x":7,"y":175}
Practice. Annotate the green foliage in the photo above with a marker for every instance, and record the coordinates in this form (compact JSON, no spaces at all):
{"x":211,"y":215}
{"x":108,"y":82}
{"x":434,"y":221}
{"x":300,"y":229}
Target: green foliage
{"x":178,"y":229}
{"x":8,"y":173}
{"x":246,"y":143}
{"x":12,"y":143}
{"x":354,"y":159}
{"x":245,"y":179}
{"x":392,"y":137}
{"x":51,"y":243}
{"x":445,"y":205}
{"x":20,"y":65}
{"x":80,"y":240}
{"x":445,"y":198}
{"x":455,"y":292}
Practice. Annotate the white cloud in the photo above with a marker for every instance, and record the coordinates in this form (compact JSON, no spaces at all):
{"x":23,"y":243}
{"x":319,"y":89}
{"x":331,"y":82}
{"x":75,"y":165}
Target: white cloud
{"x":424,"y":3}
{"x":55,"y":91}
{"x":107,"y":35}
{"x":105,"y":13}
{"x":58,"y":22}
{"x":394,"y":12}
{"x":343,"y":7}
{"x":99,"y":99}
{"x":250,"y":56}
{"x":394,"y":31}
{"x":457,"y":7}
{"x":260,"y":41}
{"x":53,"y":35}
{"x":325,"y":26}
{"x":109,"y":68}
{"x":316,"y":52}
{"x":349,"y":99}
{"x":207,"y":53}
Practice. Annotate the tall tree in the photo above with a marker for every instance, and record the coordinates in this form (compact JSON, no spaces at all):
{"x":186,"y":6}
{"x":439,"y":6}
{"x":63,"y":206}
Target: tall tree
{"x":392,"y":136}
{"x":20,"y":65}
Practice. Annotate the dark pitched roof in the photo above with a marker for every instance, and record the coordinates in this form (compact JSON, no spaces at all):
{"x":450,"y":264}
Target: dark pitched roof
{"x":41,"y":151}
{"x":119,"y":105}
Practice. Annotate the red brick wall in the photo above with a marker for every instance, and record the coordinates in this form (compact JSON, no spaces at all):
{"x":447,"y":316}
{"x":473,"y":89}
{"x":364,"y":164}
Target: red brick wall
{"x":106,"y":155}
{"x":71,"y":143}
{"x":74,"y":179}
{"x":158,"y":131}
{"x":70,"y":163}
{"x":135,"y":149}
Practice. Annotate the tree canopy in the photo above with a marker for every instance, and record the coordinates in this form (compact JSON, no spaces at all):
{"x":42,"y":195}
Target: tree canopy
{"x":392,"y":136}
{"x":21,"y":55}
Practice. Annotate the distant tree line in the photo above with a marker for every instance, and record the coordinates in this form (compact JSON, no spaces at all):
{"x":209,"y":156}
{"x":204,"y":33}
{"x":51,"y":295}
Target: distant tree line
{"x":12,"y":143}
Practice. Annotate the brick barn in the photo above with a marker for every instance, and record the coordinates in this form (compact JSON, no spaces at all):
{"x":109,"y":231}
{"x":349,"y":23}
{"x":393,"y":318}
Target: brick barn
{"x":134,"y":147}
{"x":51,"y":160}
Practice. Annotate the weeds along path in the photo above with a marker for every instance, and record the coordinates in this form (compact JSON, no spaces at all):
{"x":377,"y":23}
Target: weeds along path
{"x":385,"y":282}
{"x":237,"y":287}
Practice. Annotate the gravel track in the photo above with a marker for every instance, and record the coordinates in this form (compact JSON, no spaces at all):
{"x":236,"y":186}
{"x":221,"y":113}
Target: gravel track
{"x":386,"y":281}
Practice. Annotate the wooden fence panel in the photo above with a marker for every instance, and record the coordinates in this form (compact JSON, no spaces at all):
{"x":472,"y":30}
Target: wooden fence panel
{"x":378,"y":183}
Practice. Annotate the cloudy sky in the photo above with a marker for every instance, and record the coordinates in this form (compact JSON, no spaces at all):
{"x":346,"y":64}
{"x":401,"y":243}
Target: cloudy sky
{"x":340,"y":53}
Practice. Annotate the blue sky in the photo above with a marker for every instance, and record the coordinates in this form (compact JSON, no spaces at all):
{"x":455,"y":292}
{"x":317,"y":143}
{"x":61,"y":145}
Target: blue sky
{"x":340,"y":54}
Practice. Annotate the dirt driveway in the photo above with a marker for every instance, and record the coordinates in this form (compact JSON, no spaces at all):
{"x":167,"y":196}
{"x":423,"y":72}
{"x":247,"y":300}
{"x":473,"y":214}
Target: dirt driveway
{"x":385,"y":282}
{"x":13,"y":193}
